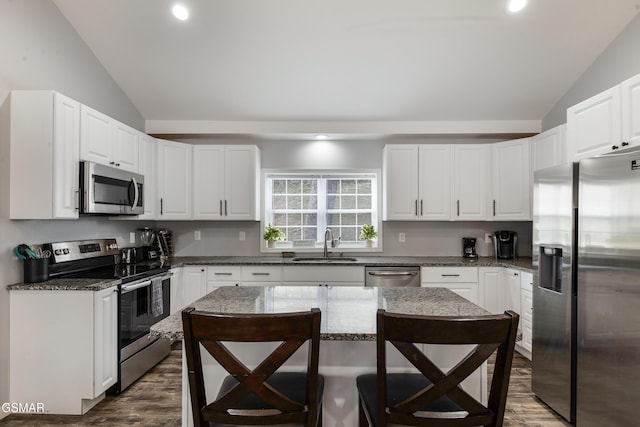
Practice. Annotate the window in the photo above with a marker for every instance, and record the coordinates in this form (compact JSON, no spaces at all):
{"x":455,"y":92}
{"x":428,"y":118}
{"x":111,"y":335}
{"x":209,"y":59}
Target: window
{"x":304,"y":205}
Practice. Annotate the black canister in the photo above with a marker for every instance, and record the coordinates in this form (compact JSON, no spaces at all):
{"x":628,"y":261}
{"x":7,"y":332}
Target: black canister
{"x":36,"y":270}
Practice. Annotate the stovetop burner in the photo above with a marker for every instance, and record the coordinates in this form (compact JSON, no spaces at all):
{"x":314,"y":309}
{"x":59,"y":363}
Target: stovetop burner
{"x":126,"y":272}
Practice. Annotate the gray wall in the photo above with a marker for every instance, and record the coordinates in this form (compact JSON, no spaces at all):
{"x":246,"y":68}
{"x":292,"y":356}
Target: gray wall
{"x":422,"y":238}
{"x":40,"y":50}
{"x":620,"y":61}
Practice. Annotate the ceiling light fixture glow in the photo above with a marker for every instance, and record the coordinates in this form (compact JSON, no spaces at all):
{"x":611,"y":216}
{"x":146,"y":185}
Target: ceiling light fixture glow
{"x":516,"y":5}
{"x":180,"y":12}
{"x":321,"y":137}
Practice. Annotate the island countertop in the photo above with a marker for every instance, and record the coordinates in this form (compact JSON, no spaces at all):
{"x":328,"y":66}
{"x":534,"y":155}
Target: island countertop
{"x":348,"y":313}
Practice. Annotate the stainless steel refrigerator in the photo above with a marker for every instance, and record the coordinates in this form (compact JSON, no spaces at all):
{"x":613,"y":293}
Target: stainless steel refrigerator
{"x":586,"y":332}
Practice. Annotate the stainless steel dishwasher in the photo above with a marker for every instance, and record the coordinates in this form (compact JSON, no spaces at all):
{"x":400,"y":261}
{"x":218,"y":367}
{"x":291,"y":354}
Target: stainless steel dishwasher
{"x":392,"y":277}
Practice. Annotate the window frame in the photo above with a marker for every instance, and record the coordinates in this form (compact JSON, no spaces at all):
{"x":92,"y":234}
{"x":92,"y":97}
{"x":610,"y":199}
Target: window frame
{"x":348,"y":247}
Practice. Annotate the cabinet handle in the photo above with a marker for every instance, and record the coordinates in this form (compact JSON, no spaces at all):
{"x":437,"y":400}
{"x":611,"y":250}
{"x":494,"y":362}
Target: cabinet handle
{"x":624,"y":144}
{"x":161,"y":206}
{"x":112,"y":163}
{"x":202,"y":270}
{"x":494,"y":208}
{"x":614,"y":147}
{"x":225,"y":208}
{"x":220,"y":207}
{"x":421,"y":210}
{"x":458,"y":207}
{"x":416,"y":206}
{"x":450,"y":275}
{"x":77,"y":200}
{"x":223,"y":274}
{"x":260,"y":274}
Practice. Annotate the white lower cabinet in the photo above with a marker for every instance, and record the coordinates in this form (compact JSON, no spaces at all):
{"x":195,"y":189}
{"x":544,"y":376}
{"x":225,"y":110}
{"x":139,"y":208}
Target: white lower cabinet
{"x":489,"y":288}
{"x":526,"y":317}
{"x":461,"y":280}
{"x":223,"y":276}
{"x":511,"y":291}
{"x":80,"y":346}
{"x":261,"y":275}
{"x":194,"y":282}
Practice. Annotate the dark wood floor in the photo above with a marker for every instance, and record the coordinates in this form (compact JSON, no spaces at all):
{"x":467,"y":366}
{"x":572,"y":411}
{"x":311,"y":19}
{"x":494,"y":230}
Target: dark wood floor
{"x":156,"y":398}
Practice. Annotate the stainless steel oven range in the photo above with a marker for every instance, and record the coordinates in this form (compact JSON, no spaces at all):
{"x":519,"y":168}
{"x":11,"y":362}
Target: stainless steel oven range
{"x":143,"y":299}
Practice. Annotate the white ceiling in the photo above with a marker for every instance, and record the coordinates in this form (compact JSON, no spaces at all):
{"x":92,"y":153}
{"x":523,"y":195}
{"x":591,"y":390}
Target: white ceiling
{"x":258,"y":65}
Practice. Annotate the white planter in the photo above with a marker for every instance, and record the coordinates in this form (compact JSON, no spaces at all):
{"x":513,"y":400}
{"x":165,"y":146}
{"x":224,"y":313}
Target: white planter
{"x":368,"y":243}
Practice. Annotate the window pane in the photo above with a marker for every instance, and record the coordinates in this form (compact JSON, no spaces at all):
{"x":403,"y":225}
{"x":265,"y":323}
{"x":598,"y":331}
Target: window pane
{"x":333,"y":219}
{"x":295,"y":233}
{"x":333,"y":202}
{"x":279,"y":220}
{"x":364,"y":186}
{"x":348,"y":202}
{"x":348,"y":219}
{"x":294,"y":202}
{"x":364,"y":202}
{"x":348,"y":186}
{"x":279,"y":186}
{"x":333,"y":186}
{"x":295,"y":219}
{"x":310,"y":202}
{"x":364,"y":218}
{"x":310,"y":186}
{"x":348,"y":234}
{"x":294,"y":186}
{"x":310,"y":233}
{"x":309,"y":219}
{"x":279,"y":202}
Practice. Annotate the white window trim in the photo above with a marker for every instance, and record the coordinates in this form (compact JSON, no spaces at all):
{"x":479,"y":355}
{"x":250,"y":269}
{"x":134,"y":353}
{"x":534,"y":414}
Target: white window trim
{"x":288,"y":247}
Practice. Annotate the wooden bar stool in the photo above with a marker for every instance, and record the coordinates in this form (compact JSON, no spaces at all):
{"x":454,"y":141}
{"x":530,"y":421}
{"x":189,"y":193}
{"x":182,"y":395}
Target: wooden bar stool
{"x":433,"y":397}
{"x":264,"y":395}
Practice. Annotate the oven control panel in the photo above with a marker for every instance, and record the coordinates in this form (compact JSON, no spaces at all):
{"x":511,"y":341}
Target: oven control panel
{"x":82,"y":249}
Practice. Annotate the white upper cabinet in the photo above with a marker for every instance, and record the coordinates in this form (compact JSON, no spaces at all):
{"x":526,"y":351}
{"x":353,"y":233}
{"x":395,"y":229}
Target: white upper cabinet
{"x":174,"y":180}
{"x":471,"y":167}
{"x":594,"y":126}
{"x":106,"y":141}
{"x":548,"y":148}
{"x":44,"y":159}
{"x":226,"y":182}
{"x":148,"y":167}
{"x":434,"y":182}
{"x":511,"y":180}
{"x":400,"y":187}
{"x":630,"y":112}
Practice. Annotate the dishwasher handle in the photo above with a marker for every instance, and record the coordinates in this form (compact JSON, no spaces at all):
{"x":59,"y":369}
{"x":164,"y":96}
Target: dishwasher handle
{"x":392,"y":273}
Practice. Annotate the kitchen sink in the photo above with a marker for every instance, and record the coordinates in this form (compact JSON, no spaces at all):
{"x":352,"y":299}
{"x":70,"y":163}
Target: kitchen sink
{"x":324,"y":259}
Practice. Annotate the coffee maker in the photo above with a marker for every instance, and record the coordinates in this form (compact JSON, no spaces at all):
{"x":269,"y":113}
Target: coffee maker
{"x":149,"y":246}
{"x":469,"y":247}
{"x":505,"y":244}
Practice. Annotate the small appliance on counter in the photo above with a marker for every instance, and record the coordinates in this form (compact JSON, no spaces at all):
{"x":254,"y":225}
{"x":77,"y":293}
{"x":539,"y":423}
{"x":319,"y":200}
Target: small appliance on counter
{"x":130,"y":255}
{"x":469,"y":247}
{"x":164,"y":238}
{"x":150,"y":248}
{"x":505,"y":244}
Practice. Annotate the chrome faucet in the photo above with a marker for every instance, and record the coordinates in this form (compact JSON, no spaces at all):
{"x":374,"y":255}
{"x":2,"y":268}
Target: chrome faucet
{"x":330,"y":236}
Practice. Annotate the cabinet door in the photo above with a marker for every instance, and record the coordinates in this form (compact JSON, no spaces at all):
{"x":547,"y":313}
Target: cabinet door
{"x":148,"y":158}
{"x":434,"y":183}
{"x":594,"y":125}
{"x":489,"y":289}
{"x":511,"y":180}
{"x":526,"y":305}
{"x":66,"y":156}
{"x":208,"y":181}
{"x":547,"y":148}
{"x":511,"y":291}
{"x":105,"y":340}
{"x":194,"y":280}
{"x":126,"y":147}
{"x":177,"y":297}
{"x":631,"y":111}
{"x":400,"y":185}
{"x":96,"y":137}
{"x":241,"y":182}
{"x":174,"y":183}
{"x":470,"y":181}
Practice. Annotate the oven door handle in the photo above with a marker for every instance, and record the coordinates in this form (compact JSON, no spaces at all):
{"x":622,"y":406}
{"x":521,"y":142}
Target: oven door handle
{"x":129,"y":288}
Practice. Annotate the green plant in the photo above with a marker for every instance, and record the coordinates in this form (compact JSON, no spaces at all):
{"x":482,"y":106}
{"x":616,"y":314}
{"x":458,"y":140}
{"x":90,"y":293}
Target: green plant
{"x":368,"y":232}
{"x":272,"y":234}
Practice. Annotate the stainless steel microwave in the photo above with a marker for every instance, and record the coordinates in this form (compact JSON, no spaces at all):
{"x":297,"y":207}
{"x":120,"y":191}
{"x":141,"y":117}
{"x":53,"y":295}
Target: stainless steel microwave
{"x":106,"y":190}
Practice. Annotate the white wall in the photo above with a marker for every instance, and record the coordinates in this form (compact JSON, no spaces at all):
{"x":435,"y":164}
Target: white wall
{"x":620,"y":61}
{"x":40,"y":50}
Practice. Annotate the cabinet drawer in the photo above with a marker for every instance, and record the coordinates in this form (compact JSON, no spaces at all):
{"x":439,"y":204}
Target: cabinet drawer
{"x":323,"y":274}
{"x":261,"y":274}
{"x":449,"y":274}
{"x":224,"y":273}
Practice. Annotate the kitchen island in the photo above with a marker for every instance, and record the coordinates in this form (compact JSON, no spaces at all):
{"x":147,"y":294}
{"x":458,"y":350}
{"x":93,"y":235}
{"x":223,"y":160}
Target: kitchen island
{"x":348,"y":333}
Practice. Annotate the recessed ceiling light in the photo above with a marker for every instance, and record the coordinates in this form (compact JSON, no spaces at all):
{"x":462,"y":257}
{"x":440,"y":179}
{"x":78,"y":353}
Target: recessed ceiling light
{"x":321,"y":137}
{"x":516,"y":5}
{"x":180,"y":12}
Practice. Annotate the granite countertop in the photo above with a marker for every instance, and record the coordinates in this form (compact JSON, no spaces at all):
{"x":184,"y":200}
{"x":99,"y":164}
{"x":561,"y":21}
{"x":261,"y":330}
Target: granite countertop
{"x":348,"y":313}
{"x":427,"y":261}
{"x":66,"y":285}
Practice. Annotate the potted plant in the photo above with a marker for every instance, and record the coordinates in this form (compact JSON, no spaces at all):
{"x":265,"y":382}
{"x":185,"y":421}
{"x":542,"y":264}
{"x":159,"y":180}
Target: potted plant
{"x":368,"y":233}
{"x":272,"y":234}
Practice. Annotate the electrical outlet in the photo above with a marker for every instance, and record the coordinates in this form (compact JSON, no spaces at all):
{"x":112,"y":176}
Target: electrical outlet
{"x":242,"y":236}
{"x":401,"y":237}
{"x":132,"y":237}
{"x":197,"y":235}
{"x":487,"y":238}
